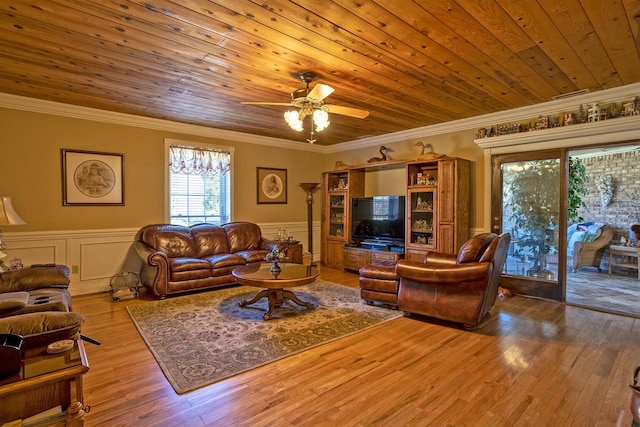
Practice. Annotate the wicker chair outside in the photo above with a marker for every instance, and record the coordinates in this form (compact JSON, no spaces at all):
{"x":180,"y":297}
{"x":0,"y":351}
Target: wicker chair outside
{"x":590,"y":253}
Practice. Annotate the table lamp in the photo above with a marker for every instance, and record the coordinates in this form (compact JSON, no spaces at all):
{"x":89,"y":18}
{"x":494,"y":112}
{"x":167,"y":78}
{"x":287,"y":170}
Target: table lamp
{"x":8,"y":216}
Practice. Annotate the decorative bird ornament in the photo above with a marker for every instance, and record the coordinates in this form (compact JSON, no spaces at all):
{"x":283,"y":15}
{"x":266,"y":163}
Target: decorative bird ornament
{"x":383,"y":157}
{"x":427,"y":156}
{"x":340,"y":166}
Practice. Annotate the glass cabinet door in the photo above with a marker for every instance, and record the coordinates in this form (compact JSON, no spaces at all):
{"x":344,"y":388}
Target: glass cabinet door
{"x":421,"y":217}
{"x":337,"y":215}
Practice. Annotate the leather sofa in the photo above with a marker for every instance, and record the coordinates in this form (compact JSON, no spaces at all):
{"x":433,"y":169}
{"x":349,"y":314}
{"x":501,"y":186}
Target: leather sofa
{"x":178,"y":259}
{"x":459,"y":288}
{"x":35,"y":303}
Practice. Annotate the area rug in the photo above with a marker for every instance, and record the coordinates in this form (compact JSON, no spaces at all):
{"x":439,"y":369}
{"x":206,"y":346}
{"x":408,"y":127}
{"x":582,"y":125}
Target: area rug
{"x":203,"y":338}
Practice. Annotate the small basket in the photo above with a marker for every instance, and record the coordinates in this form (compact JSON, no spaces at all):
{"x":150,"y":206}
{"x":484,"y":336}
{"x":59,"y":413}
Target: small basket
{"x":124,"y":285}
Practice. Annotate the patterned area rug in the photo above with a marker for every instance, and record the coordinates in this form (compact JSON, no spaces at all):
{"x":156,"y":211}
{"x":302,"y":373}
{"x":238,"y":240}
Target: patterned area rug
{"x":203,"y":338}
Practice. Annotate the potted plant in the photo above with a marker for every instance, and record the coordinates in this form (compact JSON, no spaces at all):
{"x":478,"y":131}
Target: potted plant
{"x":535,"y":200}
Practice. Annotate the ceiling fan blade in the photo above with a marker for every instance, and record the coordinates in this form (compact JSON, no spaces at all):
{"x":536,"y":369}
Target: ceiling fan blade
{"x":287,"y":104}
{"x":347,"y":111}
{"x":320,"y":92}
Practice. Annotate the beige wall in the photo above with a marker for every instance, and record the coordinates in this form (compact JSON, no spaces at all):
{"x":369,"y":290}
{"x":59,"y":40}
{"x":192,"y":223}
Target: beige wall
{"x":30,"y":146}
{"x":31,"y":172}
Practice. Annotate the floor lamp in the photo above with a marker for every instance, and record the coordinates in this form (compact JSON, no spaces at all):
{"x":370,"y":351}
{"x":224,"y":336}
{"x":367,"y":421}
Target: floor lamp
{"x":309,"y":187}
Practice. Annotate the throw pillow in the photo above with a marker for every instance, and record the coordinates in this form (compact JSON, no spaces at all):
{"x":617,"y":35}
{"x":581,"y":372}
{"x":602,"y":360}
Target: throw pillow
{"x":578,"y":236}
{"x":590,"y":237}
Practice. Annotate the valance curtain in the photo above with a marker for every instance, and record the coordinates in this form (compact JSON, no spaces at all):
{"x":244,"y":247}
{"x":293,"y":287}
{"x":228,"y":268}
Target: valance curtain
{"x":198,"y":161}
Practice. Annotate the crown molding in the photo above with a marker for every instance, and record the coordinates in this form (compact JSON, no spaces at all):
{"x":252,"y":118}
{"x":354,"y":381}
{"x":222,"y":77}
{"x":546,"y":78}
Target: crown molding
{"x":74,"y":111}
{"x":618,"y":94}
{"x":615,"y":95}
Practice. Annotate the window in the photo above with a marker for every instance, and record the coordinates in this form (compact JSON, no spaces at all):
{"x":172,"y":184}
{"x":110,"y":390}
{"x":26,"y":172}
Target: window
{"x":199,"y":184}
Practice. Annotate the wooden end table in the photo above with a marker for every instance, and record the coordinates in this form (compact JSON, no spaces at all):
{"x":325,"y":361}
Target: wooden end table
{"x":46,"y":381}
{"x":627,"y":253}
{"x":259,"y":276}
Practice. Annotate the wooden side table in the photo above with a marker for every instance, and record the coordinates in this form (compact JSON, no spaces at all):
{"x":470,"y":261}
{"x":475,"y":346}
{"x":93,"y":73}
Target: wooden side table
{"x":46,"y":381}
{"x":294,"y":252}
{"x":627,"y":253}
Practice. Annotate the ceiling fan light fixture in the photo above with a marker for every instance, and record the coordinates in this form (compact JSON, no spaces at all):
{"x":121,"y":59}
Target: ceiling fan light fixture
{"x":293,"y":120}
{"x":321,"y":120}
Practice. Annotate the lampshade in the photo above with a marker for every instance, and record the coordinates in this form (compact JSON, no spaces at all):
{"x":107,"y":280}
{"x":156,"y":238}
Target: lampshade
{"x":8,"y":215}
{"x":293,"y":120}
{"x":321,"y":119}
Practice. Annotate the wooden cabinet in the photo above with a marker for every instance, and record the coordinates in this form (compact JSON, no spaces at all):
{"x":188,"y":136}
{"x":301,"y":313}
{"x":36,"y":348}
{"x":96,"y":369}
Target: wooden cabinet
{"x":354,"y":258}
{"x":437,"y":211}
{"x":339,"y":188}
{"x":294,"y":253}
{"x":437,"y":206}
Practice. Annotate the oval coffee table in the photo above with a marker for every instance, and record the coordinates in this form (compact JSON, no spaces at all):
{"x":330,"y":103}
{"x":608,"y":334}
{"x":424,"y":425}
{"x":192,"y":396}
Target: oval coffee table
{"x":259,"y":276}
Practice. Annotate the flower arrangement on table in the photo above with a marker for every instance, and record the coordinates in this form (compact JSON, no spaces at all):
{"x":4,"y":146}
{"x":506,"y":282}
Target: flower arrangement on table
{"x":275,"y":256}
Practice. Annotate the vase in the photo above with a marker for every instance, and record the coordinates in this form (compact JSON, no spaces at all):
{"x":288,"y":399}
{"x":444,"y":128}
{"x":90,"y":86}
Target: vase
{"x":275,"y":268}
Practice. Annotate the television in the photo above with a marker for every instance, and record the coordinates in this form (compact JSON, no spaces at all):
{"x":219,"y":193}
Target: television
{"x":378,"y":218}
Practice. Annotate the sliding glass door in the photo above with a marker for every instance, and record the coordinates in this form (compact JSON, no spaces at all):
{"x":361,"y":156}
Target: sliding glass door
{"x":527,"y":203}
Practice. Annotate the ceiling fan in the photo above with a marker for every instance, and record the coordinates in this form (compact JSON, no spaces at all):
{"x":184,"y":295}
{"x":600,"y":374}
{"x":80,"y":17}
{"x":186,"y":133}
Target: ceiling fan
{"x":311,"y":103}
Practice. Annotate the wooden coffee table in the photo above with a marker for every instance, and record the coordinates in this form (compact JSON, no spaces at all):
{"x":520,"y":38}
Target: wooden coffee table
{"x":259,"y":276}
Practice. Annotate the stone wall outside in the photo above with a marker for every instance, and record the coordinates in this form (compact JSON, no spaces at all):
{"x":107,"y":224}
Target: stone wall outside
{"x":624,"y":209}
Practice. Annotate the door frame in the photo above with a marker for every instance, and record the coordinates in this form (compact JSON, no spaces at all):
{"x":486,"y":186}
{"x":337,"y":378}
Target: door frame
{"x":519,"y":284}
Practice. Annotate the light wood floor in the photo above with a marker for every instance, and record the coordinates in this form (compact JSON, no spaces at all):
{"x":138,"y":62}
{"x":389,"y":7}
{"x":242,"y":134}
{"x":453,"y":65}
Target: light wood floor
{"x":532,"y":363}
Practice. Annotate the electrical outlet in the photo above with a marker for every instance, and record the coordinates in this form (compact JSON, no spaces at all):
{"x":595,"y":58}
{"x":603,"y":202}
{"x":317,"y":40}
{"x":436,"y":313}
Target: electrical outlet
{"x":75,"y":269}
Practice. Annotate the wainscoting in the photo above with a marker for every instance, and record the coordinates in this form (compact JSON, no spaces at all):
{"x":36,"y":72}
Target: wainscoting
{"x":95,"y":256}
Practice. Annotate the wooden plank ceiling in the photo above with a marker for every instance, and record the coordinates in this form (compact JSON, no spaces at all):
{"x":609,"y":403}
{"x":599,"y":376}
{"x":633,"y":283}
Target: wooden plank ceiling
{"x":410,"y":63}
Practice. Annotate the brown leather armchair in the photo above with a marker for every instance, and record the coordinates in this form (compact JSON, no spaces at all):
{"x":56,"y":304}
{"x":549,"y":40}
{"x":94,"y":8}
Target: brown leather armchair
{"x":459,"y":288}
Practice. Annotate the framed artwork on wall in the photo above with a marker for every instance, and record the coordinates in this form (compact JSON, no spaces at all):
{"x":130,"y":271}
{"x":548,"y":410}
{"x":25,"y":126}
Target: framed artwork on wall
{"x":271,"y":185}
{"x":92,"y":178}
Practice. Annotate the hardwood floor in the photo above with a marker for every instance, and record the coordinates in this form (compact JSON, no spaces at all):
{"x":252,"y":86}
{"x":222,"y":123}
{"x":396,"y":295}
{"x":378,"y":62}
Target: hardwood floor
{"x":531,"y":362}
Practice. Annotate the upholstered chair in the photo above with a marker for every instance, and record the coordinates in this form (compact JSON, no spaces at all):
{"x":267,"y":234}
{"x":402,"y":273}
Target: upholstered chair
{"x":458,"y":288}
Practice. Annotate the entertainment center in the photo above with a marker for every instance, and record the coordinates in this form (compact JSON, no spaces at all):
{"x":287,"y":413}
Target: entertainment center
{"x":432,"y":214}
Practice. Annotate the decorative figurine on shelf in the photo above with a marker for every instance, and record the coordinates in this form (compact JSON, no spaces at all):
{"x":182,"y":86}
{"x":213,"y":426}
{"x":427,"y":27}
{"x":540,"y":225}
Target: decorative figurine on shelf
{"x":569,"y":119}
{"x":582,"y":115}
{"x":430,"y":179}
{"x":342,"y":185}
{"x":340,"y":166}
{"x":382,"y":157}
{"x":427,"y":156}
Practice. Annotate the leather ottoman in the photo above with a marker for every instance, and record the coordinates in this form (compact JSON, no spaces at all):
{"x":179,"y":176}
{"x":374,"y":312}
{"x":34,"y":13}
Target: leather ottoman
{"x":379,"y":283}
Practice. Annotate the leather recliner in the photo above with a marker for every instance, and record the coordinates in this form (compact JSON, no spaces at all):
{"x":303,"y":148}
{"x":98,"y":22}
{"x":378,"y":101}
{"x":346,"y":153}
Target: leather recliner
{"x":459,"y":288}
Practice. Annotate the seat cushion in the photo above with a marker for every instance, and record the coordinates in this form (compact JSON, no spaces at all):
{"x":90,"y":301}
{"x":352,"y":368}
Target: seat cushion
{"x":385,"y":270}
{"x":11,"y":302}
{"x":42,"y":328}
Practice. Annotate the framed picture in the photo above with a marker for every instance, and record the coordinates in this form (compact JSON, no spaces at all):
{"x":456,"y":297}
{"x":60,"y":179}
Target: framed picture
{"x":92,"y":178}
{"x":272,"y":185}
